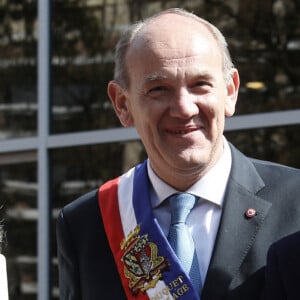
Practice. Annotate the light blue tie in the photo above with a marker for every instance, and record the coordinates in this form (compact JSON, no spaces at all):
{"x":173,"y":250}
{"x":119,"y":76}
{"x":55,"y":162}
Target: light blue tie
{"x":180,"y":238}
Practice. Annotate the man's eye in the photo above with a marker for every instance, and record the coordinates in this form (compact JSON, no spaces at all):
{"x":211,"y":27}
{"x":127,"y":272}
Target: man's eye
{"x":157,"y":89}
{"x":201,"y":83}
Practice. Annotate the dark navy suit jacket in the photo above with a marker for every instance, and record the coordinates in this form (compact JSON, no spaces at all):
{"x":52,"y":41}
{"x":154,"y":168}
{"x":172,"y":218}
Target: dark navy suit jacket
{"x":236,"y":271}
{"x":283,"y":269}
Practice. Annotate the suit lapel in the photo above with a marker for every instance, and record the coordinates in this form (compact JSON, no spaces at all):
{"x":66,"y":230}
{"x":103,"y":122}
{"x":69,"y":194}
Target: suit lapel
{"x":236,"y":233}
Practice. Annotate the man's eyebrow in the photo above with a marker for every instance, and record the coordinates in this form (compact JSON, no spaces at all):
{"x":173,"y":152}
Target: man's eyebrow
{"x":154,"y":77}
{"x":203,"y":74}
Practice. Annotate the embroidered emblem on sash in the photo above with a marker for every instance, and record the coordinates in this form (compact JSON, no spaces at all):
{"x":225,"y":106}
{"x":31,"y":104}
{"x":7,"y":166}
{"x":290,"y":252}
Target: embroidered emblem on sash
{"x":142,"y":266}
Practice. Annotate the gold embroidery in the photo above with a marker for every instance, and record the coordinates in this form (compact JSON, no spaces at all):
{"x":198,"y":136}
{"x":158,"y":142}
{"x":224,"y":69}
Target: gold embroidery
{"x":142,"y":265}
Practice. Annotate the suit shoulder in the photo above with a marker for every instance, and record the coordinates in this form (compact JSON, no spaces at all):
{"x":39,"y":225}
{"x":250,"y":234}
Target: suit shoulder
{"x":286,"y":252}
{"x":275,"y":170}
{"x":81,"y":216}
{"x":274,"y":165}
{"x":85,"y":204}
{"x":281,"y":182}
{"x":289,"y":244}
{"x":273,"y":176}
{"x":262,"y":165}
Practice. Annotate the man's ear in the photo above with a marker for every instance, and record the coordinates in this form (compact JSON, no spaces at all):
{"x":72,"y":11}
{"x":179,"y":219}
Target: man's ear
{"x":232,"y":93}
{"x":120,"y":103}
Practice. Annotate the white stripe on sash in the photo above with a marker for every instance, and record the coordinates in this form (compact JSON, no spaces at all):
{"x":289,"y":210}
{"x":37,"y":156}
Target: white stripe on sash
{"x":128,"y":220}
{"x":125,"y":189}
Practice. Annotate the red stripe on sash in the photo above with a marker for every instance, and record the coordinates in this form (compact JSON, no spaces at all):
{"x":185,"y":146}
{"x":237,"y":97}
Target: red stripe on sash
{"x":109,"y":209}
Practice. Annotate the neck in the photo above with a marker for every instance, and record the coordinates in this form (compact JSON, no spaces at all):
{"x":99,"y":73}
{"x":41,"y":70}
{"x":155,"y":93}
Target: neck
{"x":183,"y":177}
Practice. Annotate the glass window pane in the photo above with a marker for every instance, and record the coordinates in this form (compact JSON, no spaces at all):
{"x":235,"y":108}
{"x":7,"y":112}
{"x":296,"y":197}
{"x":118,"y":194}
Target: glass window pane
{"x":263,"y":38}
{"x":77,"y":170}
{"x":82,"y":62}
{"x":18,"y":194}
{"x":18,"y":43}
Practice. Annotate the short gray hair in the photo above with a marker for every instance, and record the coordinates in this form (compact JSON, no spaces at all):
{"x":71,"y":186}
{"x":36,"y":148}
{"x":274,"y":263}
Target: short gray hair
{"x":121,"y":75}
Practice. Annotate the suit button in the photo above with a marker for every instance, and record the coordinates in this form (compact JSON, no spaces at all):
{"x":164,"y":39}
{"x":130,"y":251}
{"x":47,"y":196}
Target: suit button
{"x":250,"y":213}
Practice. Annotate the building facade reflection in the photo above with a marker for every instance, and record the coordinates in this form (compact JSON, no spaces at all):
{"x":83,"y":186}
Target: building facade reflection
{"x":85,"y":144}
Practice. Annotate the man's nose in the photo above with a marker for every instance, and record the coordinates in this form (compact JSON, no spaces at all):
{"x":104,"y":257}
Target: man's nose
{"x":184,"y":104}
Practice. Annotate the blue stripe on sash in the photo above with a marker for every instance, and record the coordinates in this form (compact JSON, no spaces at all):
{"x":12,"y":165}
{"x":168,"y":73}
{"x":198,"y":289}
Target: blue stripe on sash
{"x":149,"y":225}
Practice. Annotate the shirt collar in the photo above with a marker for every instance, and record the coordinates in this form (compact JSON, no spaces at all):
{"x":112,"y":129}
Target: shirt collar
{"x":210,"y":187}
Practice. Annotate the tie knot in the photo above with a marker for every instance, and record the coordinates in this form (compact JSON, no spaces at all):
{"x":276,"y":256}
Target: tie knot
{"x":181,"y":205}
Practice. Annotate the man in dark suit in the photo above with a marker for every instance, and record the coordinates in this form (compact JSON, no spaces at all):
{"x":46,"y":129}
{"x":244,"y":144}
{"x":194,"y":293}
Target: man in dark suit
{"x":175,"y":82}
{"x":283,"y":269}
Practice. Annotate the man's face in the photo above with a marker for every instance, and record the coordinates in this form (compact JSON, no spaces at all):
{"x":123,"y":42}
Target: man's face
{"x":177,"y":98}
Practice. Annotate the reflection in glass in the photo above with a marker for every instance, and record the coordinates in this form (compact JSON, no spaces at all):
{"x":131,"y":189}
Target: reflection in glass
{"x":263,"y":38}
{"x":82,"y":60}
{"x":78,"y":170}
{"x":18,"y":43}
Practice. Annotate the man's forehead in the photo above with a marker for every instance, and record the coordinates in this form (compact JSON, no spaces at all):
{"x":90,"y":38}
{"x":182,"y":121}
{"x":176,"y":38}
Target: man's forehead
{"x":171,"y":31}
{"x":172,"y":52}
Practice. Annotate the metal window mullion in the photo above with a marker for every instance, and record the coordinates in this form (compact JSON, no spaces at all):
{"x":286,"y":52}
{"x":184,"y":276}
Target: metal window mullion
{"x":44,"y":213}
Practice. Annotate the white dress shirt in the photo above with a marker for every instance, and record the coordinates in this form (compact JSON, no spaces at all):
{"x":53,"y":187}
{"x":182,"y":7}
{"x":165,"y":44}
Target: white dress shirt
{"x":203,"y":221}
{"x":3,"y":279}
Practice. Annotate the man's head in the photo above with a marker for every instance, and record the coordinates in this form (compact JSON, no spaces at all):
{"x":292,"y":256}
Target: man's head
{"x":176,"y":87}
{"x":121,"y":71}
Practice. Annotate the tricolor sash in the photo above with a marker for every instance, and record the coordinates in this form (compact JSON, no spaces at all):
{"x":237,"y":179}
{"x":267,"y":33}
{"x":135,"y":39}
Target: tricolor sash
{"x":147,"y":265}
